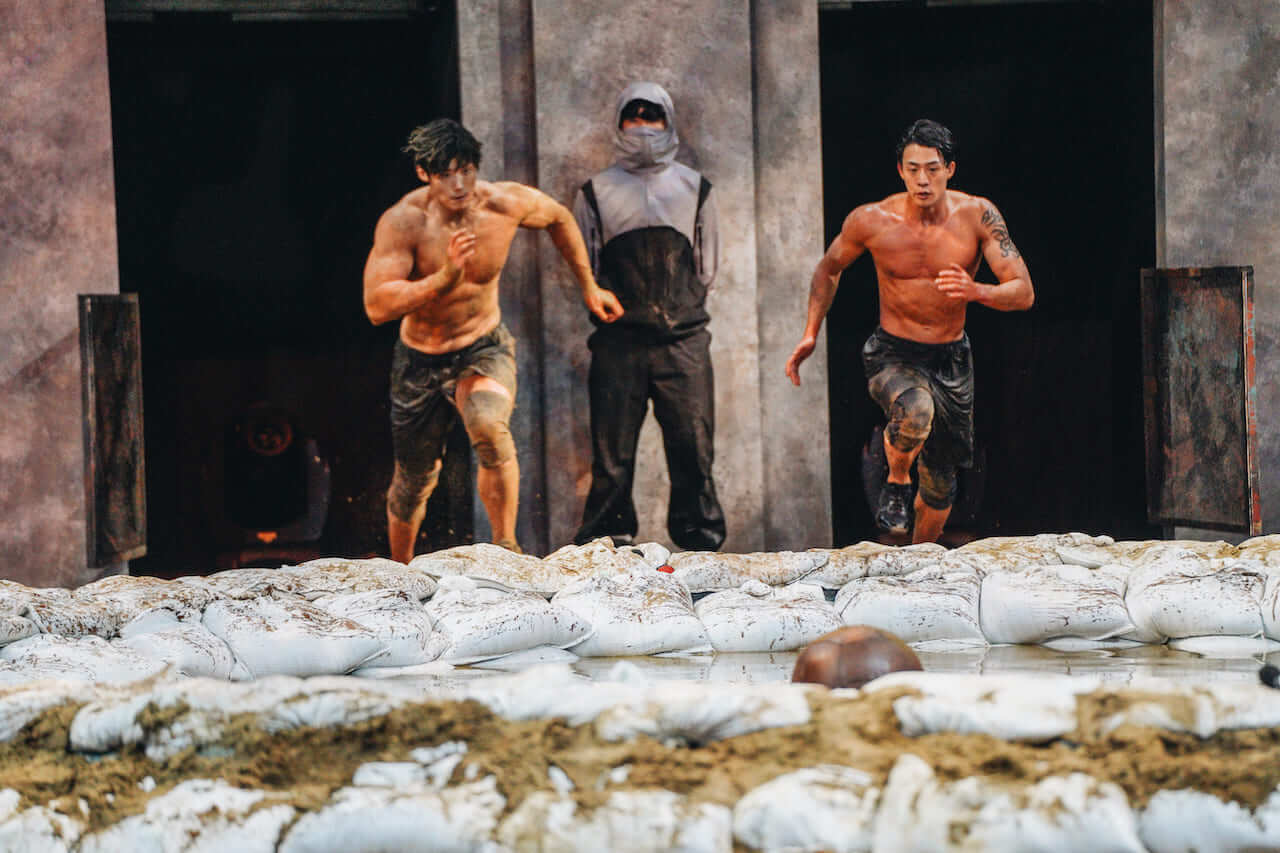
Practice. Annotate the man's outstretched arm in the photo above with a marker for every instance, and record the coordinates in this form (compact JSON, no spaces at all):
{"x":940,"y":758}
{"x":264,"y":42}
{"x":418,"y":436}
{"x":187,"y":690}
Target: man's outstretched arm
{"x":542,"y":211}
{"x":1014,"y":291}
{"x":389,"y":293}
{"x":844,"y":250}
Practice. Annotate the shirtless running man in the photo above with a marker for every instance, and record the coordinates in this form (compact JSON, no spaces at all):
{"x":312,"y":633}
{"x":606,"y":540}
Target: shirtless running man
{"x":436,"y":260}
{"x":927,"y":244}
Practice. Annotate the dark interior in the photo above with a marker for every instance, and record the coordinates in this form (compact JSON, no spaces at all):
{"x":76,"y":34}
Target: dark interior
{"x":252,"y":160}
{"x":1051,"y":105}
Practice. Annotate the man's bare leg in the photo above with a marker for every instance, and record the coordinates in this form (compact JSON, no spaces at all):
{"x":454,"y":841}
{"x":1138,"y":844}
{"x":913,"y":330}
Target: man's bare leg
{"x":929,"y":522}
{"x":409,"y":495}
{"x":900,"y":461}
{"x":498,"y":483}
{"x":402,"y":535}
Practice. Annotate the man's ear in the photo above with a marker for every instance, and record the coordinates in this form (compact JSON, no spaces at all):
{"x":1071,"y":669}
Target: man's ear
{"x":422,"y":174}
{"x":951,"y":170}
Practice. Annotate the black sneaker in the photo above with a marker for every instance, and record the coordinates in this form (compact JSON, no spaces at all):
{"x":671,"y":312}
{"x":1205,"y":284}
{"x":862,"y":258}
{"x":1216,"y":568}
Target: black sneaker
{"x":894,"y":511}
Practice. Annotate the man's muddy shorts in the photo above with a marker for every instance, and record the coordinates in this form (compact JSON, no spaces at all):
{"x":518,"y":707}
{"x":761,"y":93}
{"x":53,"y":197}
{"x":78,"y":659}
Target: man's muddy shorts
{"x":895,"y":364}
{"x":422,"y":389}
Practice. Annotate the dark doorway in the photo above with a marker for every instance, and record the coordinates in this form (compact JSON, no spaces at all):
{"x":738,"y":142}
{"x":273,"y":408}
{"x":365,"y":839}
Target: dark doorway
{"x":252,"y":158}
{"x":1052,"y":108}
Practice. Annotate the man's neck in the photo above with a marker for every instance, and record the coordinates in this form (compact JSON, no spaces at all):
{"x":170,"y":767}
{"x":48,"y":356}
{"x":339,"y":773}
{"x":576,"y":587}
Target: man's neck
{"x":934,"y":214}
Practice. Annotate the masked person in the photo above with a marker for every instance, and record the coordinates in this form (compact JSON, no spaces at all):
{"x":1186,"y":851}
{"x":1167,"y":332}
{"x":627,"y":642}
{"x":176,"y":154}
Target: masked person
{"x":650,"y":228}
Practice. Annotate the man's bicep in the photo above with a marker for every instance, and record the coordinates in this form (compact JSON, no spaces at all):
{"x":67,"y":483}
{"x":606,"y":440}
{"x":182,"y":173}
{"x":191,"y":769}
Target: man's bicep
{"x":998,"y":247}
{"x":538,"y":210}
{"x":844,"y":250}
{"x":390,"y":259}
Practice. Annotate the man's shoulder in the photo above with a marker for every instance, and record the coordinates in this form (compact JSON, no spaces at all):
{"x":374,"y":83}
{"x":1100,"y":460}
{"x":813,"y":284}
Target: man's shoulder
{"x":968,"y":204}
{"x":409,"y":212}
{"x":874,"y":215}
{"x":510,"y":198}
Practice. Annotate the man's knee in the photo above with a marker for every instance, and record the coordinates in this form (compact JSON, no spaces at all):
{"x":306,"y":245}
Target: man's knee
{"x":937,"y":485}
{"x":409,"y":491}
{"x":910,"y":419}
{"x":485,"y":415}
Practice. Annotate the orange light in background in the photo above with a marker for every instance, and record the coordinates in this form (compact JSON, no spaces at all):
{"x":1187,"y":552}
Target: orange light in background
{"x":267,"y":536}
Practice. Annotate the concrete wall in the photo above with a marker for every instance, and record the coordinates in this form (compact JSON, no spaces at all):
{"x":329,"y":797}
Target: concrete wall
{"x":1218,"y":171}
{"x":57,"y":239}
{"x":753,"y":137}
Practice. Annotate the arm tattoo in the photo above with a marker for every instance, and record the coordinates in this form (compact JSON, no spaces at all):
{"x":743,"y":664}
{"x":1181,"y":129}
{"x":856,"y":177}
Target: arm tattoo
{"x":1000,"y":232}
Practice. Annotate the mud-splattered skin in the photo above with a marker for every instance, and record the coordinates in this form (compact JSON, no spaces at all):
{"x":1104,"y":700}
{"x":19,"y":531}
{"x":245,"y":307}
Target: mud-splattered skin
{"x":852,"y":656}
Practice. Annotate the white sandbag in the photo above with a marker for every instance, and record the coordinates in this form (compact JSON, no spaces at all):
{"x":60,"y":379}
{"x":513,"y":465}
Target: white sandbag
{"x":15,"y":596}
{"x":52,"y":656}
{"x":190,"y":648}
{"x":599,"y":556}
{"x":485,"y":562}
{"x":64,"y":616}
{"x":22,"y":703}
{"x":198,"y":815}
{"x":904,"y":560}
{"x":1191,"y":597}
{"x":628,"y":822}
{"x":1143,"y":552}
{"x":1270,"y":605}
{"x":1201,"y":710}
{"x":845,"y":564}
{"x":132,"y":596}
{"x":759,"y":618}
{"x":642,"y":613}
{"x":477,"y":623}
{"x":35,"y":830}
{"x":1264,"y":549}
{"x":14,"y":628}
{"x":1226,"y":647}
{"x":1044,"y":602}
{"x":1189,"y":821}
{"x":1010,"y":707}
{"x":398,"y":619}
{"x":917,"y":607}
{"x":1063,"y":813}
{"x":413,"y":819}
{"x":279,"y":636}
{"x":342,"y":575}
{"x":828,"y":807}
{"x":707,"y":571}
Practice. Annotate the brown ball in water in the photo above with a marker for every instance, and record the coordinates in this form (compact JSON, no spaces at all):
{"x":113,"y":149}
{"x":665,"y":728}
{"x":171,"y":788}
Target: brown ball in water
{"x":852,"y":656}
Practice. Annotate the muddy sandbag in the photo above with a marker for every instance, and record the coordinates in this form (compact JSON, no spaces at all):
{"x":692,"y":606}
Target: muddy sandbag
{"x":1187,"y":821}
{"x":828,"y":807}
{"x":14,"y":625}
{"x":640,"y":613}
{"x":918,"y":811}
{"x":342,"y":575}
{"x":250,"y":584}
{"x":708,"y":571}
{"x":396,"y":618}
{"x":477,"y":623}
{"x":1188,"y":596}
{"x":36,"y":829}
{"x":760,"y":618}
{"x":199,"y":814}
{"x":627,"y":822}
{"x":412,"y":819}
{"x":133,"y":596}
{"x":56,"y":611}
{"x":1201,"y":710}
{"x":496,"y":566}
{"x":601,"y":556}
{"x":281,"y":636}
{"x":1045,"y":602}
{"x":81,"y":658}
{"x":1264,"y":549}
{"x":22,"y":703}
{"x":926,"y":605}
{"x":905,"y":559}
{"x":845,"y":564}
{"x":189,"y":647}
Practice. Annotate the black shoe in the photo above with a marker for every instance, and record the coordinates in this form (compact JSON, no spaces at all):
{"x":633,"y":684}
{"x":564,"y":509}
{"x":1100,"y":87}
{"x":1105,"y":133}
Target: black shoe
{"x":894,"y":511}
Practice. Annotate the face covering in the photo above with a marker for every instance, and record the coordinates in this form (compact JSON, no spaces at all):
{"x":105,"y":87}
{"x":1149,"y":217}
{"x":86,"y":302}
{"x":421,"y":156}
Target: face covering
{"x":645,"y":148}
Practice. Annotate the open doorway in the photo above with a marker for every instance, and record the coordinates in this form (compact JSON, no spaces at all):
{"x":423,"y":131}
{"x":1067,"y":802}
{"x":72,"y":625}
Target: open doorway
{"x":253,"y":156}
{"x":1052,"y":108}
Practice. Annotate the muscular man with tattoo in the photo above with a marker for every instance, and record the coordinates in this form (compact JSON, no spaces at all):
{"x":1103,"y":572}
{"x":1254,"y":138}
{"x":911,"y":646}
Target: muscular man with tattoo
{"x":926,"y":244}
{"x":436,"y":260}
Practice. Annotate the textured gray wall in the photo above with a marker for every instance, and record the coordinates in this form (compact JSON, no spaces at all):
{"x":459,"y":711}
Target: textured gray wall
{"x":57,"y":239}
{"x":1219,"y":71}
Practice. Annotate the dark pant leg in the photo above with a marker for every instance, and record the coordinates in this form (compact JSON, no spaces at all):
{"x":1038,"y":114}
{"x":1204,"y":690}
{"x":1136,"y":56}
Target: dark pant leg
{"x":618,"y":385}
{"x":683,"y":390}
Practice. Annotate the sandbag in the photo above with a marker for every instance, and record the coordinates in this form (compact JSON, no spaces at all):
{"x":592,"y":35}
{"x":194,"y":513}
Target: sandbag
{"x":628,"y":822}
{"x":905,"y":560}
{"x":641,"y":613}
{"x":828,"y":807}
{"x":1044,"y":602}
{"x":396,"y":618}
{"x":280,"y":636}
{"x":88,"y":658}
{"x":14,"y":625}
{"x":57,"y":612}
{"x":925,"y":606}
{"x":413,"y":819}
{"x":759,"y":618}
{"x":133,"y":596}
{"x":845,"y":564}
{"x":481,"y":623}
{"x":483,"y":562}
{"x":22,"y":703}
{"x":190,"y":648}
{"x":250,"y":584}
{"x":198,"y":814}
{"x":35,"y":830}
{"x":600,"y":556}
{"x":1187,"y":821}
{"x":708,"y":571}
{"x":1187,"y":596}
{"x":341,"y":575}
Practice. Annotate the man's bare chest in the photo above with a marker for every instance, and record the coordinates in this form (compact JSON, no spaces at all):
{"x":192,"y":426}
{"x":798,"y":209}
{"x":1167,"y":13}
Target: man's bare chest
{"x":493,"y":232}
{"x":915,"y":252}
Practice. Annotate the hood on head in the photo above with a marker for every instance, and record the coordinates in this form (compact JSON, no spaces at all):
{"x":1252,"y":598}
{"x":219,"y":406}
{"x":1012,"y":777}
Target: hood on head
{"x":653,"y":150}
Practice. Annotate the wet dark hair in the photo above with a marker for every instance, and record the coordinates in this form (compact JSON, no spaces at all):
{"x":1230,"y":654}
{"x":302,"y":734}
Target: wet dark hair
{"x":930,"y":134}
{"x":642,"y":109}
{"x":435,"y":144}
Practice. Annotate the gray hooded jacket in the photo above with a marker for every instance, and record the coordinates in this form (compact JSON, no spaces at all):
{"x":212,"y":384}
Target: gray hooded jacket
{"x":650,"y":225}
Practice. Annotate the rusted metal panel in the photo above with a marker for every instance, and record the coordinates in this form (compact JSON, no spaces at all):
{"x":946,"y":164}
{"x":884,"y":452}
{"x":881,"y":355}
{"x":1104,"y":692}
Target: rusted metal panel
{"x":1200,"y":398}
{"x":111,"y":393}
